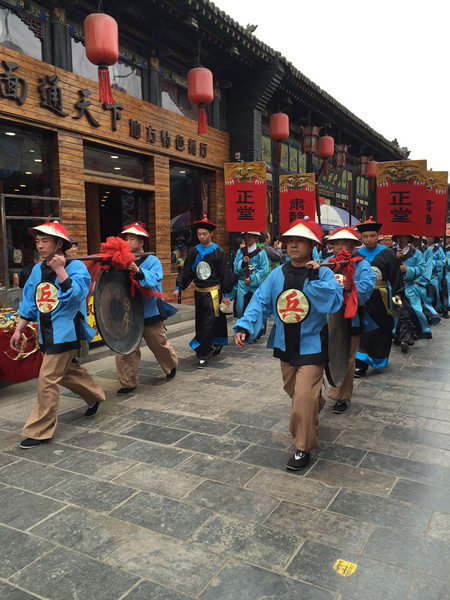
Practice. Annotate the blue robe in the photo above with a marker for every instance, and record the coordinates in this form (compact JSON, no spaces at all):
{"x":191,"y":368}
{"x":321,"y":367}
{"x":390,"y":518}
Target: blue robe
{"x":150,"y":277}
{"x":258,"y":271}
{"x":415,"y":285}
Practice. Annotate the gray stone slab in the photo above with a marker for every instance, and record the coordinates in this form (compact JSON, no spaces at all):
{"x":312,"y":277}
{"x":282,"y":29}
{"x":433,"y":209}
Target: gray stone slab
{"x":30,"y":476}
{"x":439,"y":528}
{"x":207,"y":426}
{"x":163,"y":456}
{"x":63,"y":574}
{"x":239,"y":581}
{"x":326,"y":434}
{"x":7,"y":460}
{"x":83,"y":491}
{"x":372,"y":579}
{"x":352,"y":477}
{"x":262,"y":437}
{"x":22,"y":509}
{"x":320,"y":526}
{"x":49,"y":454}
{"x":430,"y":589}
{"x":148,"y":590}
{"x":420,"y":494}
{"x":401,"y":467}
{"x":166,"y":482}
{"x":381,"y":511}
{"x":339,"y":453}
{"x":425,"y":411}
{"x":155,"y":433}
{"x":156,"y":417}
{"x":233,"y":501}
{"x":99,"y":441}
{"x":433,"y":456}
{"x":262,"y":456}
{"x":95,"y":464}
{"x":218,"y":469}
{"x":250,"y":419}
{"x":209,"y":444}
{"x":85,"y":531}
{"x":287,"y":486}
{"x":181,"y":566}
{"x":252,"y":543}
{"x":368,"y":441}
{"x":18,"y":549}
{"x":164,"y":515}
{"x":8,"y":592}
{"x":427,"y":556}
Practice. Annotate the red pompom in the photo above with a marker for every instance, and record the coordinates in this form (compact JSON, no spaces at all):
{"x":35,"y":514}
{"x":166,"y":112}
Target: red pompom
{"x":116,"y":252}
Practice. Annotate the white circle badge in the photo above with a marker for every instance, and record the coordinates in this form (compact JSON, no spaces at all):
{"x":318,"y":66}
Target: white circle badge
{"x":292,"y":306}
{"x":46,"y":297}
{"x":203,"y":270}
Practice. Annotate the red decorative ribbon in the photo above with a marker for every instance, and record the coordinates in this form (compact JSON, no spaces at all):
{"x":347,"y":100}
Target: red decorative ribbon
{"x":348,"y":271}
{"x":104,"y":86}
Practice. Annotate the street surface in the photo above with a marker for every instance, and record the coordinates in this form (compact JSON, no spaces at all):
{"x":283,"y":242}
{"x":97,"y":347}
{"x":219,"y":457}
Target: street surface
{"x":180,"y":491}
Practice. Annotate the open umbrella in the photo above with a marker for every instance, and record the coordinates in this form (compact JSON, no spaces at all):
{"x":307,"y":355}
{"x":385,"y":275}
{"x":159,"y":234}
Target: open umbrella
{"x":332,"y":217}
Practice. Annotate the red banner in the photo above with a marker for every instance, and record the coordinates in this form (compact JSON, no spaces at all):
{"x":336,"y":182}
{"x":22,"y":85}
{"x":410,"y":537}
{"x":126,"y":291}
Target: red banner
{"x":245,"y":196}
{"x":297,"y":199}
{"x":436,"y":203}
{"x":401,"y":196}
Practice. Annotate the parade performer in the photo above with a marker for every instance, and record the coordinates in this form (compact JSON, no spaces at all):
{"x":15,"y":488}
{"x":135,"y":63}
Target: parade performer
{"x":251,"y":266}
{"x":376,"y":339}
{"x":179,"y":252}
{"x":55,"y":295}
{"x":275,"y":258}
{"x":345,"y":239}
{"x":435,"y":257}
{"x":148,"y":273}
{"x":207,"y":266}
{"x":299,"y":295}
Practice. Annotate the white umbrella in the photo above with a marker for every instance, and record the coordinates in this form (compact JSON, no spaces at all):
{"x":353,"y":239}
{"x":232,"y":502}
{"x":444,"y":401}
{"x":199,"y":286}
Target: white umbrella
{"x":332,"y":217}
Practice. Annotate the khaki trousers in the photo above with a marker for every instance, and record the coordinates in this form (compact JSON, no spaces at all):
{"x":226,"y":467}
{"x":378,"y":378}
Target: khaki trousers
{"x":344,"y":393}
{"x":304,"y":386}
{"x":156,"y":339}
{"x":56,"y":370}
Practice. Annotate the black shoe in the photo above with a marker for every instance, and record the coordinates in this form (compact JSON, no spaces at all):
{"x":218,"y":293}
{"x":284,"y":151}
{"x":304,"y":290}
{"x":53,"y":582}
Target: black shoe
{"x":124,"y":391}
{"x":445,"y":315}
{"x":359,"y":373}
{"x":31,"y":443}
{"x":172,"y":373}
{"x":202,"y":364}
{"x":217,"y":350}
{"x":92,"y":410}
{"x":428,"y":335}
{"x":299,"y":461}
{"x":339,"y":408}
{"x":404,"y":347}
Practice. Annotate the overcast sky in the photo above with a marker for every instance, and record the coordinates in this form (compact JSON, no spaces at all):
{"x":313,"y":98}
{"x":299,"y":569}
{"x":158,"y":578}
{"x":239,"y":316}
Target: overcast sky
{"x":386,"y":61}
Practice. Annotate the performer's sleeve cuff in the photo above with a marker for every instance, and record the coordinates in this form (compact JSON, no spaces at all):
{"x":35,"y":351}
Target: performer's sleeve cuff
{"x":66,"y":284}
{"x":140,"y":275}
{"x":313,"y":274}
{"x":178,"y":288}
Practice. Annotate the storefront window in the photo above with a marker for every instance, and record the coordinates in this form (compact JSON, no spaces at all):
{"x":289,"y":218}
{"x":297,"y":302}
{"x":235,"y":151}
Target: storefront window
{"x":114,"y":163}
{"x":174,"y":95}
{"x":189,"y":193}
{"x":124,"y":76}
{"x":19,"y":36}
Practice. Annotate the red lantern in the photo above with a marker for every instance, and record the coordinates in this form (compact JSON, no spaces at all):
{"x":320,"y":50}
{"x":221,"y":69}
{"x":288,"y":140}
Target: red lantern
{"x":341,"y":155}
{"x":326,"y":151}
{"x":201,"y":92}
{"x":279,"y":130}
{"x":362,"y":166}
{"x":372,"y":173}
{"x":310,"y":136}
{"x":101,"y":37}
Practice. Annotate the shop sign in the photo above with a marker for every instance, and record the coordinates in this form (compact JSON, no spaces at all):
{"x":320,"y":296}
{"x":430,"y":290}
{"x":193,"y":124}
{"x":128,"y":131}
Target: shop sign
{"x":297,"y":198}
{"x":15,"y":88}
{"x":401,"y":196}
{"x":436,"y":203}
{"x":328,"y":183}
{"x":245,"y":196}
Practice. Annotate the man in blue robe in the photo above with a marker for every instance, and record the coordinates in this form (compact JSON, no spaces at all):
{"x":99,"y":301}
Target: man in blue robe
{"x":251,"y":266}
{"x":300,"y":296}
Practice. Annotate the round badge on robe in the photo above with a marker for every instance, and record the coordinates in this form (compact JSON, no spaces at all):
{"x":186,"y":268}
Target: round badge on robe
{"x":378,"y":274}
{"x":340,"y":278}
{"x":203,"y":270}
{"x":46,"y":297}
{"x":292,"y":306}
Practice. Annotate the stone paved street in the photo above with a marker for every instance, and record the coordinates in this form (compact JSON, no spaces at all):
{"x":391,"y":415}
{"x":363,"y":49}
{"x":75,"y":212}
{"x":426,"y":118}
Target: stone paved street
{"x":180,"y":490}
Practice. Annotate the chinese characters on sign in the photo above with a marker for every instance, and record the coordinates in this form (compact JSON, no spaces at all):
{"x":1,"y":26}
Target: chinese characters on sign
{"x":401,"y":196}
{"x":436,"y":203}
{"x":297,"y":198}
{"x":292,"y":306}
{"x":245,"y":196}
{"x":328,"y":183}
{"x":15,"y":88}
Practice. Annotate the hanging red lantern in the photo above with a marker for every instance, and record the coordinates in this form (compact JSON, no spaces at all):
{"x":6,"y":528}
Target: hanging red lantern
{"x":279,"y":130}
{"x":372,"y":174}
{"x":341,"y":155}
{"x":310,"y":137}
{"x":101,"y":37}
{"x":326,"y":151}
{"x":200,"y":92}
{"x":362,"y":166}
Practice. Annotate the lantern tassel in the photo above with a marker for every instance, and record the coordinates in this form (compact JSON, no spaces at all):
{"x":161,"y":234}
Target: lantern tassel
{"x":371,"y":185}
{"x":279,"y":147}
{"x":104,"y":86}
{"x":325,"y":168}
{"x":202,"y":122}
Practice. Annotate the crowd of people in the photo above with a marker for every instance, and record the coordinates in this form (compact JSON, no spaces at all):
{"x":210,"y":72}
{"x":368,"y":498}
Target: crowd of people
{"x":389,"y":289}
